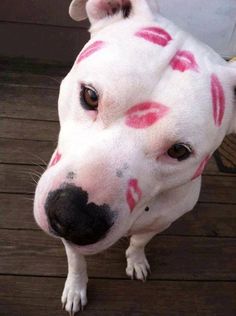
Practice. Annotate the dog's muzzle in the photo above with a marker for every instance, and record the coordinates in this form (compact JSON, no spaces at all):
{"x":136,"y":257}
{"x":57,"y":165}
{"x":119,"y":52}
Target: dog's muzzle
{"x":72,"y":218}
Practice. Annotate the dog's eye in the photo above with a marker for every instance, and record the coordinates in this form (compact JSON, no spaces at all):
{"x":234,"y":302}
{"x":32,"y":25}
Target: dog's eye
{"x":89,"y":98}
{"x":179,"y":151}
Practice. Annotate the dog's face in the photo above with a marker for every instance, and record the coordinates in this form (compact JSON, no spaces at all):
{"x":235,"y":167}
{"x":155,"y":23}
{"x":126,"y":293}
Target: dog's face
{"x":141,"y":112}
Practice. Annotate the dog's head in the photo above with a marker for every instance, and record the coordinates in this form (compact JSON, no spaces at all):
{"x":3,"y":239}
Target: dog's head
{"x":141,"y":111}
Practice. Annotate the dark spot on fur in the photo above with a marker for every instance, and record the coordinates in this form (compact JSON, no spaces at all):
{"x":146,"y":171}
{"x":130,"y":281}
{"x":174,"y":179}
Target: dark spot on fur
{"x":119,"y":173}
{"x":71,"y":175}
{"x":146,"y":209}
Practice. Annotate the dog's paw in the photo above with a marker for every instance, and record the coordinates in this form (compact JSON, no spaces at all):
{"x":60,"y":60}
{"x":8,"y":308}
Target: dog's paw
{"x":74,"y":296}
{"x":137,"y":264}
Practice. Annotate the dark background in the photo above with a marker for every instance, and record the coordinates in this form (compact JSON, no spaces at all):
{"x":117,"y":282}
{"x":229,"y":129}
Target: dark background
{"x":40,"y":30}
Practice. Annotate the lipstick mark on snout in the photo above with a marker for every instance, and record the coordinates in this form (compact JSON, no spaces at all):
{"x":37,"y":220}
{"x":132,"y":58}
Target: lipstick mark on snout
{"x":155,"y":35}
{"x":184,"y":60}
{"x":133,"y":193}
{"x":218,"y":100}
{"x":90,"y":50}
{"x":201,"y":167}
{"x":145,"y":114}
{"x":55,"y":159}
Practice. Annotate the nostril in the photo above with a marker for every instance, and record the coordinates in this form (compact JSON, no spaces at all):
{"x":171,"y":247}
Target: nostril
{"x":73,"y":218}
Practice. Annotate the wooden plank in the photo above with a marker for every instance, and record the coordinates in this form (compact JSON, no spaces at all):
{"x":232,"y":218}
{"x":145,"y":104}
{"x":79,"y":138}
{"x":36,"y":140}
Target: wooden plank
{"x":39,"y":12}
{"x":170,"y":257}
{"x":47,"y":43}
{"x":26,"y":151}
{"x":218,"y":189}
{"x":28,"y":103}
{"x":29,"y":129}
{"x":18,"y":82}
{"x":31,"y":296}
{"x":205,"y":220}
{"x":17,"y":211}
{"x":11,"y":68}
{"x":17,"y":179}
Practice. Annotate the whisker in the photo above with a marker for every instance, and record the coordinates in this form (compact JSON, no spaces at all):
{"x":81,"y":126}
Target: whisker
{"x":37,"y":175}
{"x":54,"y":79}
{"x":43,"y":168}
{"x":40,"y":159}
{"x":27,"y":198}
{"x":34,"y":180}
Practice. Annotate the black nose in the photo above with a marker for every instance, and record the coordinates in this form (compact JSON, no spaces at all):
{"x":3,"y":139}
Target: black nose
{"x":71,"y":217}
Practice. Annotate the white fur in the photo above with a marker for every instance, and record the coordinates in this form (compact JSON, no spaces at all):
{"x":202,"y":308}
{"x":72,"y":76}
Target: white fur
{"x":126,"y":72}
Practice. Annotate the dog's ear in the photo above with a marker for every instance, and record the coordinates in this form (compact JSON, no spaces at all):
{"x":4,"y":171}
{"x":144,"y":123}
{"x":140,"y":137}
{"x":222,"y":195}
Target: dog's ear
{"x":77,"y":10}
{"x":232,"y":128}
{"x":96,"y":10}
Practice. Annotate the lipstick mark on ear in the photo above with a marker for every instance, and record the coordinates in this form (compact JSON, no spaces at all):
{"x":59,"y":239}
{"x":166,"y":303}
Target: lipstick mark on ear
{"x":90,"y":50}
{"x":145,"y":114}
{"x":218,"y":100}
{"x":184,"y":60}
{"x":201,"y":167}
{"x":133,"y":193}
{"x":55,"y":159}
{"x":155,"y":35}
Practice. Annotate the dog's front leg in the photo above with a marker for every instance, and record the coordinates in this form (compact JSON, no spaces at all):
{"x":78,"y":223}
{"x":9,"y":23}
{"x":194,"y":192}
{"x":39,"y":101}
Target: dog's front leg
{"x":74,"y":296}
{"x":137,"y":264}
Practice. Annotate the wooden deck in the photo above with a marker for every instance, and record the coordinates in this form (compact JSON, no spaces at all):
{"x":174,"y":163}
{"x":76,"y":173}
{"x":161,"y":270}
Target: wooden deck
{"x":193,"y":263}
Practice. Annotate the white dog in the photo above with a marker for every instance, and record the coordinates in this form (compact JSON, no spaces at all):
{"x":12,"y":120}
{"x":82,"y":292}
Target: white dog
{"x":141,"y":112}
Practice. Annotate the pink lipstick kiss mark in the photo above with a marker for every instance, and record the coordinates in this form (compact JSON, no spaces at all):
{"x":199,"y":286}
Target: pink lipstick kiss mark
{"x":155,"y":35}
{"x":218,"y":100}
{"x":90,"y":50}
{"x":201,"y":167}
{"x":55,"y":159}
{"x":184,"y":60}
{"x":145,"y":114}
{"x":133,"y":194}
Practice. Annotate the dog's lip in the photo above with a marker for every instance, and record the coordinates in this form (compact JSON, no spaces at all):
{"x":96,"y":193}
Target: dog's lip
{"x":90,"y":50}
{"x":218,"y":100}
{"x":145,"y":114}
{"x":155,"y":35}
{"x":184,"y":60}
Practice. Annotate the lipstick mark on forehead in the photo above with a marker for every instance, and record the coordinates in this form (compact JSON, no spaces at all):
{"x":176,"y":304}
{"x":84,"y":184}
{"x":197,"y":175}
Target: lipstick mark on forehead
{"x":145,"y":114}
{"x":184,"y":60}
{"x":155,"y":35}
{"x":55,"y":159}
{"x":201,"y":167}
{"x":218,"y":100}
{"x":133,"y":194}
{"x":90,"y":50}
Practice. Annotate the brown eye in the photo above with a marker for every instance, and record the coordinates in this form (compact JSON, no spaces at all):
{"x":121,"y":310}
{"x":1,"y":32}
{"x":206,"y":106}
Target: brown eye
{"x":179,"y":151}
{"x":89,"y":98}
